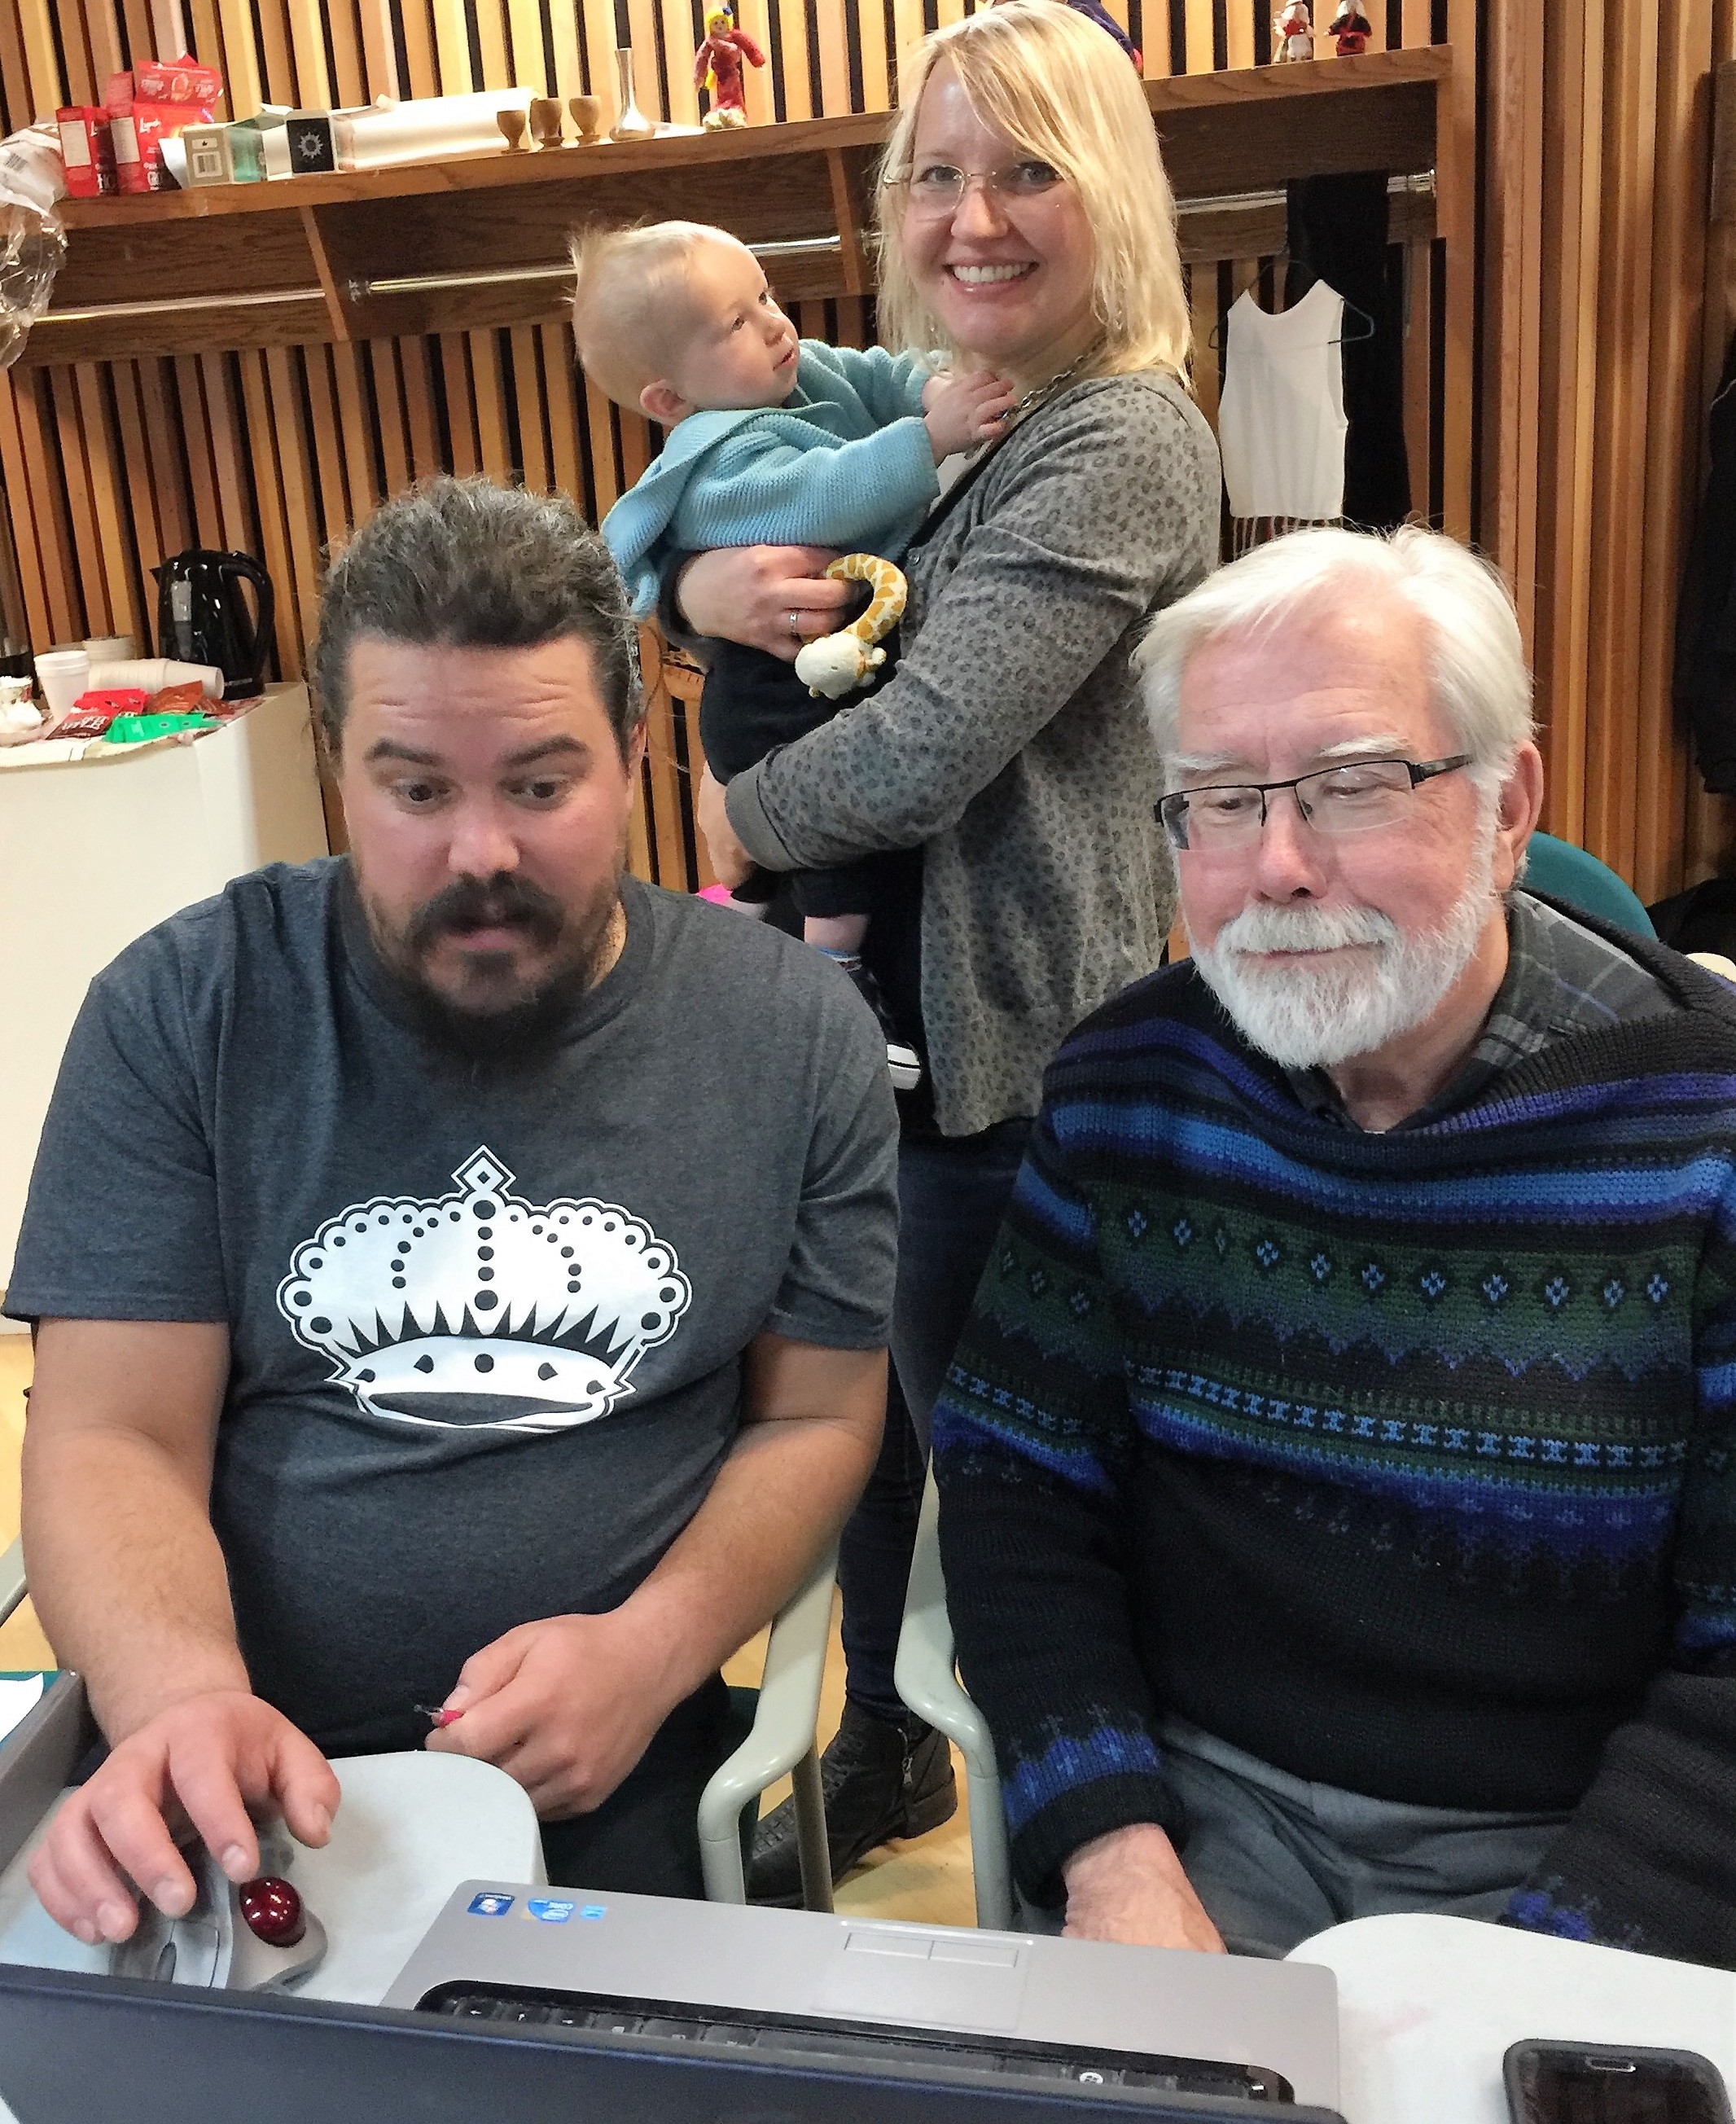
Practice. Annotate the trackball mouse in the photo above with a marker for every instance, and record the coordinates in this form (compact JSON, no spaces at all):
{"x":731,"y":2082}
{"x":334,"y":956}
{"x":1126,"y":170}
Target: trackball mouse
{"x":258,"y":1935}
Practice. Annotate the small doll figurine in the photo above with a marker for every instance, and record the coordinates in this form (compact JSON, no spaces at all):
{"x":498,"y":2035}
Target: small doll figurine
{"x":717,"y":68}
{"x":1352,"y":29}
{"x":1292,"y":32}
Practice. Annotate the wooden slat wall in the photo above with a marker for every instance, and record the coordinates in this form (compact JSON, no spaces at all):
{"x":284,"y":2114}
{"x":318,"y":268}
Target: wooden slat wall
{"x":107,"y":466}
{"x":1602,"y":350}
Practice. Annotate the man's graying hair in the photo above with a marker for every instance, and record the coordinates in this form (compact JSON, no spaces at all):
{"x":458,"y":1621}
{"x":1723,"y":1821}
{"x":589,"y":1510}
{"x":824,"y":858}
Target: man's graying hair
{"x":464,"y":564}
{"x":1476,"y":660}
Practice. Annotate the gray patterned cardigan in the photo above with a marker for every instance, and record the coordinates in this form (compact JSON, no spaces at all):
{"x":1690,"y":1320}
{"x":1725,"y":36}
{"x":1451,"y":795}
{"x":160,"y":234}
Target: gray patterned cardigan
{"x":1010,"y":746}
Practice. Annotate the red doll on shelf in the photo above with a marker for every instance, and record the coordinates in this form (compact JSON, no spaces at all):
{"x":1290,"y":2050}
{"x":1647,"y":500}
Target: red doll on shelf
{"x":1292,"y":32}
{"x":1352,"y":29}
{"x":717,"y":68}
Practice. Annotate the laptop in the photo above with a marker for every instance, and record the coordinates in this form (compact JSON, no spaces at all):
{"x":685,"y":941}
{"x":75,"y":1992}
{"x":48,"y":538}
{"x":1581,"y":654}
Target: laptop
{"x":962,"y":2005}
{"x":77,"y":2049}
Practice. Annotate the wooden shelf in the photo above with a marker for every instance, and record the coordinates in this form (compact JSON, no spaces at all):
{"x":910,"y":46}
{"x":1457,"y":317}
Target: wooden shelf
{"x":524,"y":169}
{"x":294,"y":260}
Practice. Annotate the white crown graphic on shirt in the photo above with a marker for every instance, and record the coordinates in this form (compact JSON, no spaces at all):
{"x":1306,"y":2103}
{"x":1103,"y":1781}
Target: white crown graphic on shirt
{"x":479,"y":1309}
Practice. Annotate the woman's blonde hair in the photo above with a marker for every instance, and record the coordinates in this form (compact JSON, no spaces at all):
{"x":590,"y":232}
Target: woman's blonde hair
{"x":1062,"y":89}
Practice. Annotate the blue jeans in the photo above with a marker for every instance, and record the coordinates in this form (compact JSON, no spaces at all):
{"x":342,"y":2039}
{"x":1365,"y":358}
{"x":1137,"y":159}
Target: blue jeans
{"x":952,"y":1191}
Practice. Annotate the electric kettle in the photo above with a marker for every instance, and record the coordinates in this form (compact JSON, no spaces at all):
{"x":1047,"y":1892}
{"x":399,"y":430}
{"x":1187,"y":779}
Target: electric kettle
{"x":202,"y":617}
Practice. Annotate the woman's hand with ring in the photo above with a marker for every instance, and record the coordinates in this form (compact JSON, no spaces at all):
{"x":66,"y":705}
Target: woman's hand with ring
{"x":730,"y":862}
{"x":773,"y":597}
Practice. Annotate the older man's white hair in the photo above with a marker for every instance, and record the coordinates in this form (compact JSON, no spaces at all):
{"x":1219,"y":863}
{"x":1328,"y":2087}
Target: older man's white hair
{"x":1477,"y":663}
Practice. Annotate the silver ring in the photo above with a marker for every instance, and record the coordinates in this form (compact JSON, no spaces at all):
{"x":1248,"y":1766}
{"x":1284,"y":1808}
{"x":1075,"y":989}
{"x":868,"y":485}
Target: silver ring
{"x":795,"y":625}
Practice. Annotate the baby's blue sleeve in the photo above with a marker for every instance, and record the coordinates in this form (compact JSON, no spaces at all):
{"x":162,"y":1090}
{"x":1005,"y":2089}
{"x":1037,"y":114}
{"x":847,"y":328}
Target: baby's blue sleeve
{"x":633,"y":539}
{"x":890,"y":385}
{"x":754,"y":490}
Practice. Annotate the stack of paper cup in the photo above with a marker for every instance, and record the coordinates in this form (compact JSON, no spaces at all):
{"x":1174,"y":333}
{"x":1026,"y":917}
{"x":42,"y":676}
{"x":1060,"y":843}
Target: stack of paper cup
{"x":154,"y":673}
{"x":63,"y":674}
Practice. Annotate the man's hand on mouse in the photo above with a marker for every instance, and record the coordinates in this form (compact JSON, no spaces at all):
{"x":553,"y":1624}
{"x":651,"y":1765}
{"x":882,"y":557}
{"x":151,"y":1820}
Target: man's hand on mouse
{"x":202,"y":1763}
{"x":566,"y":1707}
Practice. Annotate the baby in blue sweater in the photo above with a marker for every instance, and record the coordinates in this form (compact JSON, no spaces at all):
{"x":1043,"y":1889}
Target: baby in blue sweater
{"x":775,"y":440}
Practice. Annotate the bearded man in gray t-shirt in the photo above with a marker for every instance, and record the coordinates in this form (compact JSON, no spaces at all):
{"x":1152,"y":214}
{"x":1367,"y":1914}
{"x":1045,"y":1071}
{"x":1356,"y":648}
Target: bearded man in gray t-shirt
{"x":462,"y":1272}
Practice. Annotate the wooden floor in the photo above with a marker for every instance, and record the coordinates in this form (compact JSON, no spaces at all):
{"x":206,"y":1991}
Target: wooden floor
{"x":928,"y":1880}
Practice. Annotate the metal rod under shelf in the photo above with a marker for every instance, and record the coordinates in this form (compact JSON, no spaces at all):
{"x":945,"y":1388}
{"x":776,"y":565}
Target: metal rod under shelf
{"x":1415,"y":185}
{"x":426,"y":284}
{"x":260,"y":299}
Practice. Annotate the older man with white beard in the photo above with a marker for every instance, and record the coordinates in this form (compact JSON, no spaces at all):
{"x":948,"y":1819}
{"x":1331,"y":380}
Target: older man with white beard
{"x":1338,"y":1472}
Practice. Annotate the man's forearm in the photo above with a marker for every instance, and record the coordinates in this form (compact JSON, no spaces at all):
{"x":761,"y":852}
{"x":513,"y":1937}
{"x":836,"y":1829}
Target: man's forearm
{"x":778,"y":1503}
{"x":126,"y":1574}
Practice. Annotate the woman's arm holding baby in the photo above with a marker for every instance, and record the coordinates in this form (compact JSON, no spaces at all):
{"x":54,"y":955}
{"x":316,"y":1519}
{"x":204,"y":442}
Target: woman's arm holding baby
{"x":1111,"y":508}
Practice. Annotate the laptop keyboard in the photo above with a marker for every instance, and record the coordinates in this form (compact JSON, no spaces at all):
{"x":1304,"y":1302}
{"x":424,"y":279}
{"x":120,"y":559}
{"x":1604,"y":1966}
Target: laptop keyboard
{"x":950,"y":2056}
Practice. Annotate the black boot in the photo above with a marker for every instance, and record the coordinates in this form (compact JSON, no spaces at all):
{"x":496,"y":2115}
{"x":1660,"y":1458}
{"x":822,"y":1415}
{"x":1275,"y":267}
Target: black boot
{"x":882,"y":1777}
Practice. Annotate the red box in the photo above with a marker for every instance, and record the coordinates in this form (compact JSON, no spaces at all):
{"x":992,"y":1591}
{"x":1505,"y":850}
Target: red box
{"x":164,"y":80}
{"x":178,"y":80}
{"x":137,"y":134}
{"x":86,"y":150}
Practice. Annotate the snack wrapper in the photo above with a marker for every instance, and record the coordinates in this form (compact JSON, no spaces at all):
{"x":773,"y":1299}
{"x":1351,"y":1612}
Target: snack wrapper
{"x":186,"y":699}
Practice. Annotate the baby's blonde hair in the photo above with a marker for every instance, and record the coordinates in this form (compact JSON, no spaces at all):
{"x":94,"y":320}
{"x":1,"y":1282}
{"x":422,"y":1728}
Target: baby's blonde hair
{"x":628,"y":316}
{"x":1062,"y":89}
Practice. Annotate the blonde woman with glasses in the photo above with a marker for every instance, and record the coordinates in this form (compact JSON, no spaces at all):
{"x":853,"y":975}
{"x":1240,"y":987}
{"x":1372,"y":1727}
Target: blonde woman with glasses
{"x":1026,"y":227}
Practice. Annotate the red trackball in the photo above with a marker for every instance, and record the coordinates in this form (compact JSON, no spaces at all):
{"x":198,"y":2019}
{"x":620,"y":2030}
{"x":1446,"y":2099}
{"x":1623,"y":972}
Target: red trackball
{"x":273,"y":1911}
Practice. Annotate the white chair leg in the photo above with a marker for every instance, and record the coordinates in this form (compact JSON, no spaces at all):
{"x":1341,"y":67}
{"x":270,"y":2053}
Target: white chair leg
{"x":781,"y":1738}
{"x":812,"y":1848}
{"x":12,"y":1587}
{"x":927,"y":1681}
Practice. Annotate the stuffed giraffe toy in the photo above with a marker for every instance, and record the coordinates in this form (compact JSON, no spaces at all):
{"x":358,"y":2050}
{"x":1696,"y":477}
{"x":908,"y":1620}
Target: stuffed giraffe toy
{"x":830,"y":665}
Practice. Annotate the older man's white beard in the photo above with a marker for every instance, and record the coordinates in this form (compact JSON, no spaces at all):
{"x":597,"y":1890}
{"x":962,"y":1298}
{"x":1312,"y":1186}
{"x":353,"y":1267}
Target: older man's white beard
{"x":1352,"y":1003}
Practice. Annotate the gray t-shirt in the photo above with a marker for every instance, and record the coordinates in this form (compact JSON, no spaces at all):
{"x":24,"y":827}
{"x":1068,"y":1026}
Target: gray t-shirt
{"x":486,"y":1320}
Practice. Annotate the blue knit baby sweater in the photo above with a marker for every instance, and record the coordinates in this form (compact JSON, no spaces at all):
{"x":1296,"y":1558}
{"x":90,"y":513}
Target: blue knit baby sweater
{"x":846,"y":461}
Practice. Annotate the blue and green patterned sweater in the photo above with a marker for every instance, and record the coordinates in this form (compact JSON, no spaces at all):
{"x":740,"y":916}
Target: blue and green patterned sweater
{"x":1403,"y":1461}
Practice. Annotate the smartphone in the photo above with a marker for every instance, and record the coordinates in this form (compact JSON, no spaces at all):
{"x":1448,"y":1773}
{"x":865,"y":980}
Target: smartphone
{"x":1606,"y":2083}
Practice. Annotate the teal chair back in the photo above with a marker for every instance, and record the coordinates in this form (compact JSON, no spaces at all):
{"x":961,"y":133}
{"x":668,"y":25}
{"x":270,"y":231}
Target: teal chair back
{"x":1566,"y":872}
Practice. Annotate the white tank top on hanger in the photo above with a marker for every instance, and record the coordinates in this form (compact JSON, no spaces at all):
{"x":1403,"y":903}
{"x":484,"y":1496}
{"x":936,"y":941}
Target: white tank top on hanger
{"x":1281,"y":423}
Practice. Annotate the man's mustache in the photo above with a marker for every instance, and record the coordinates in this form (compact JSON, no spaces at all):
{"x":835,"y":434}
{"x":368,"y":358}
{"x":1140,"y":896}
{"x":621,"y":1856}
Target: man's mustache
{"x":501,"y":902}
{"x":1259,"y":928}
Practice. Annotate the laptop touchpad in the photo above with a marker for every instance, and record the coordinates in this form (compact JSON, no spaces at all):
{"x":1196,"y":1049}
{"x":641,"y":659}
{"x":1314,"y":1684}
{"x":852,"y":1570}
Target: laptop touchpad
{"x":963,"y":1980}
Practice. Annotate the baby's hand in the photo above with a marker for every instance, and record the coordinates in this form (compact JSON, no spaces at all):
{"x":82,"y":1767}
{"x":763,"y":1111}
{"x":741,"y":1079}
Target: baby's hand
{"x":960,"y":410}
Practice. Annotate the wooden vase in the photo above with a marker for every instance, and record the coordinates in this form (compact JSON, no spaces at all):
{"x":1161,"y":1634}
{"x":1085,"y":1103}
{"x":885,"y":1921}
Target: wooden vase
{"x":546,"y":121}
{"x":587,"y":116}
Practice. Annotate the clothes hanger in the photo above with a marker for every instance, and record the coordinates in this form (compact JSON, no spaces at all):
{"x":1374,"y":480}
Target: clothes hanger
{"x":1214,"y":338}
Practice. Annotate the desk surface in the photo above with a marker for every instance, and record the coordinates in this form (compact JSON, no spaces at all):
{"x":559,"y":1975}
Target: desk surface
{"x":409,"y":1828}
{"x":1427,"y":2007}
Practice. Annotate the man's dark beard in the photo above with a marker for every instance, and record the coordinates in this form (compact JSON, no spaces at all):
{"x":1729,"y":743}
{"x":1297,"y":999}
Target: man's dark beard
{"x":533,"y":1020}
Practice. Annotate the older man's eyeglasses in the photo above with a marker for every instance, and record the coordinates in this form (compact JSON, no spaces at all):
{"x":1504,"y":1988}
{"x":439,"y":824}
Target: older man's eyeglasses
{"x":935,"y":189}
{"x":1352,"y":799}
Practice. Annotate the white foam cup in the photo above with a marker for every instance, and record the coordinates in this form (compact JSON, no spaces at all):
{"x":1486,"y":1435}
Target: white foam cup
{"x":63,"y":674}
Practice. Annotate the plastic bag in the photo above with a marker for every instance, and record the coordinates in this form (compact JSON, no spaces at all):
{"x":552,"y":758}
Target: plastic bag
{"x":32,"y":242}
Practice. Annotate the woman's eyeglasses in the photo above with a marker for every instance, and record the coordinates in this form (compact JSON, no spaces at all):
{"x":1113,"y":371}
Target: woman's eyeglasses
{"x":936,"y":189}
{"x":1352,"y":799}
